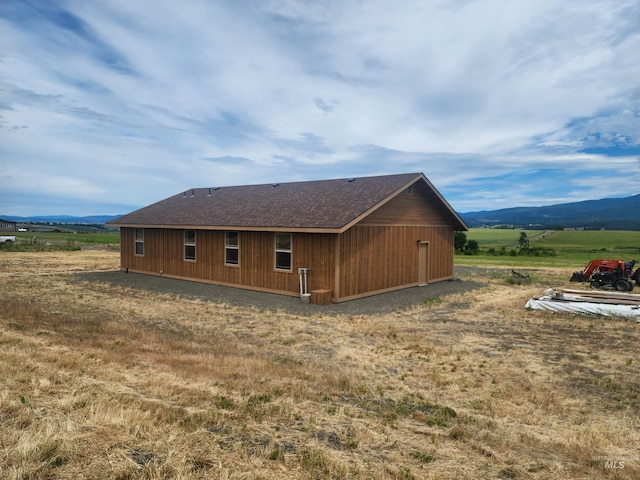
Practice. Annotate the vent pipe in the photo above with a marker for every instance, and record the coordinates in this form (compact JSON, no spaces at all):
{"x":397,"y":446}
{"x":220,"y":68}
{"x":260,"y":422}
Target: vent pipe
{"x":304,"y":290}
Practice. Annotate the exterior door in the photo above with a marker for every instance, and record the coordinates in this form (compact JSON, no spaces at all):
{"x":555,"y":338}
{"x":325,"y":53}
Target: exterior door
{"x":423,"y":263}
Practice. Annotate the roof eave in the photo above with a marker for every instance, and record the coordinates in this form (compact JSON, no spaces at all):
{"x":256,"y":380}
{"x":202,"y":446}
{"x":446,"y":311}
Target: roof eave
{"x":232,"y":228}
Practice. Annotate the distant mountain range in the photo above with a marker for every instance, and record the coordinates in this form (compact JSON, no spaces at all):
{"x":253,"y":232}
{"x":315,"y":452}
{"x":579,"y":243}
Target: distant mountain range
{"x":62,"y":219}
{"x":607,"y":213}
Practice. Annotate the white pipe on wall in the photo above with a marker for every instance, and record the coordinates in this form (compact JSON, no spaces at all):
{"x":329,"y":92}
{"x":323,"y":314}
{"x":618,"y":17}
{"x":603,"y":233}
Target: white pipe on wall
{"x":303,"y":282}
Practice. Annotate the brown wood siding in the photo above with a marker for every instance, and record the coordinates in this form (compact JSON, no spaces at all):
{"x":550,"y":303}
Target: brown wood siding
{"x":421,"y":207}
{"x":371,"y":258}
{"x":164,"y":252}
{"x":379,"y":258}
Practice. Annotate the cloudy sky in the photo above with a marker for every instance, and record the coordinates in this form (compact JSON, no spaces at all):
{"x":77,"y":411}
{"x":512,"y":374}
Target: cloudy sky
{"x":107,"y":106}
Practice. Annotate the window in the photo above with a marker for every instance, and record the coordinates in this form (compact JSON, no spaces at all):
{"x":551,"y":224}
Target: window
{"x":231,"y":248}
{"x":189,"y":244}
{"x":140,"y":241}
{"x":283,"y":251}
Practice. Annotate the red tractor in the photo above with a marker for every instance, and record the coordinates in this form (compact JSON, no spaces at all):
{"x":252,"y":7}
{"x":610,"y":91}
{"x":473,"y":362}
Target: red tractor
{"x":609,"y":274}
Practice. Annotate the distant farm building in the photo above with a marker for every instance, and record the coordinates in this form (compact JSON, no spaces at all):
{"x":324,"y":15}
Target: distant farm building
{"x":8,"y":226}
{"x":352,"y":237}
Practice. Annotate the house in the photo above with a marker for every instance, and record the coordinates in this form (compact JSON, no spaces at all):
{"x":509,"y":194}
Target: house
{"x":356,"y":236}
{"x":8,"y":226}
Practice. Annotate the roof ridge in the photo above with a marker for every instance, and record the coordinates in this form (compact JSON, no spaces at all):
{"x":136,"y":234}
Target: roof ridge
{"x":271,"y":184}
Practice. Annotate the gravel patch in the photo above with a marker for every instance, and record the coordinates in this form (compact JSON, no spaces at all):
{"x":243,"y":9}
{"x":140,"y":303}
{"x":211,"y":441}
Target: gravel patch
{"x":377,"y":304}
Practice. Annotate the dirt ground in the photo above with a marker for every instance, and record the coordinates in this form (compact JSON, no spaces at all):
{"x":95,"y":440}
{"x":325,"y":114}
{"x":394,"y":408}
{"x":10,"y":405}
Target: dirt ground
{"x":377,"y":304}
{"x":114,"y":375}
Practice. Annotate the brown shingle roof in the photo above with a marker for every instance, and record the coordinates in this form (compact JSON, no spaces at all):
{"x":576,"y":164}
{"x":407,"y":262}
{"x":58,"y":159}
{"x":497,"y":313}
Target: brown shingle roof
{"x":319,"y":205}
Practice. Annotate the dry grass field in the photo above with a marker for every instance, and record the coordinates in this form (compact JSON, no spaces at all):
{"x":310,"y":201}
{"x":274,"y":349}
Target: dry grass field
{"x":106,"y":382}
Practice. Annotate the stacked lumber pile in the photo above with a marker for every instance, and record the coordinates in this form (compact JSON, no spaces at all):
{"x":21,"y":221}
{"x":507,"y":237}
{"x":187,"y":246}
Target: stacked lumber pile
{"x":588,"y":302}
{"x":599,"y":296}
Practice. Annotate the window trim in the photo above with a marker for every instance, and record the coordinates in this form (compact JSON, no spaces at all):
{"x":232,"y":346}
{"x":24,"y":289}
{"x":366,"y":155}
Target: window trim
{"x":189,"y":244}
{"x":138,"y":241}
{"x":282,"y":250}
{"x":228,"y":247}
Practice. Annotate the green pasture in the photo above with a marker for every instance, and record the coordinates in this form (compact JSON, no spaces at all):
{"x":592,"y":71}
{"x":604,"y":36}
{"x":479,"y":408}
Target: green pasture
{"x":561,"y":248}
{"x":79,"y":238}
{"x":497,"y":237}
{"x":26,"y":241}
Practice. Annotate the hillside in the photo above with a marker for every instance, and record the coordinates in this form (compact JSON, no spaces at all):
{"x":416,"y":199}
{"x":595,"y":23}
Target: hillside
{"x":607,"y":213}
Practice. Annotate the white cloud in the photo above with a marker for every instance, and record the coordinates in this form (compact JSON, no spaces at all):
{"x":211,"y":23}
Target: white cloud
{"x":134,"y":101}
